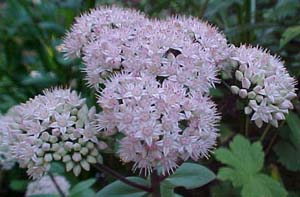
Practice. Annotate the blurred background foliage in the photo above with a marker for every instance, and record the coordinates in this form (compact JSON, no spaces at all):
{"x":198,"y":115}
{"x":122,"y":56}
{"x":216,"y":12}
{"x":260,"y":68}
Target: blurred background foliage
{"x":31,"y":32}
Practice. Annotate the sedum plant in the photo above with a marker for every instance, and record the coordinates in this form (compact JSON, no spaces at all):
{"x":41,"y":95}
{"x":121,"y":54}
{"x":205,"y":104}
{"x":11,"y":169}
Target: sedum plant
{"x":153,"y":80}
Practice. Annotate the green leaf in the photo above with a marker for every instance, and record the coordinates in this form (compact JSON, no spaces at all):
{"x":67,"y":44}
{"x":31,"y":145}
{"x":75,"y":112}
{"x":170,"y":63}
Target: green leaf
{"x":289,"y":145}
{"x":289,"y":34}
{"x":263,"y":185}
{"x":244,"y":162}
{"x":18,"y":185}
{"x":190,"y":176}
{"x":120,"y":189}
{"x":286,"y":153}
{"x":57,"y":167}
{"x":294,"y":123}
{"x":87,"y":192}
{"x":45,"y":195}
{"x":81,"y":186}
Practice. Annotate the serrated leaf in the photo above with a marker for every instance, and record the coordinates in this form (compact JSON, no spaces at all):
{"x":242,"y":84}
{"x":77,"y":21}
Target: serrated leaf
{"x":120,"y":189}
{"x":83,"y":185}
{"x":244,"y":162}
{"x":289,"y":34}
{"x":190,"y":176}
{"x":263,"y":185}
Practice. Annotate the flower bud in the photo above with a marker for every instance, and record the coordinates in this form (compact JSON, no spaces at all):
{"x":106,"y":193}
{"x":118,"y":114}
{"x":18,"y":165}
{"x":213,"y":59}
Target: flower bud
{"x":48,"y":157}
{"x":55,"y":147}
{"x":76,"y":157}
{"x":91,"y":159}
{"x":56,"y":156}
{"x":238,"y":75}
{"x":251,"y":95}
{"x":69,"y":166}
{"x":46,"y":147}
{"x":246,"y":83}
{"x":68,"y":146}
{"x":259,"y":98}
{"x":247,"y":110}
{"x":77,"y":170}
{"x":234,"y":89}
{"x":66,"y":158}
{"x":243,"y":93}
{"x":53,"y":139}
{"x":85,"y":165}
{"x":77,"y":147}
{"x":45,"y":136}
{"x":84,"y":151}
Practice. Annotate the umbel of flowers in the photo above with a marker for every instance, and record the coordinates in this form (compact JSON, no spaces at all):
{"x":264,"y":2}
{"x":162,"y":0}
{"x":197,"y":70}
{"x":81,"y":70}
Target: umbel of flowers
{"x":263,"y":81}
{"x":46,"y":186}
{"x":157,"y":75}
{"x":56,"y":126}
{"x":111,"y":39}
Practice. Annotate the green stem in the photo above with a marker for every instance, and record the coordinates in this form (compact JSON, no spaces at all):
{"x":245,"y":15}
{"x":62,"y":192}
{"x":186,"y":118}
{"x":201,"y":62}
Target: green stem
{"x":247,"y":126}
{"x":155,"y":184}
{"x":61,"y":193}
{"x":265,"y":132}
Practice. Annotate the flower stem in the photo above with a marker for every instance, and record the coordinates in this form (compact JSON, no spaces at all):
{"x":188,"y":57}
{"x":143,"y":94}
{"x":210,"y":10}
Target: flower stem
{"x":163,"y":177}
{"x":61,"y":193}
{"x":155,"y":184}
{"x":247,"y":126}
{"x":107,"y":170}
{"x":265,"y":132}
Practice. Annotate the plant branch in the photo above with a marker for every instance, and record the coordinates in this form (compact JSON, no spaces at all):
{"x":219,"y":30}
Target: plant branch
{"x":155,"y":184}
{"x":247,"y":126}
{"x":265,"y":132}
{"x":163,"y":177}
{"x":107,"y":170}
{"x":61,"y":193}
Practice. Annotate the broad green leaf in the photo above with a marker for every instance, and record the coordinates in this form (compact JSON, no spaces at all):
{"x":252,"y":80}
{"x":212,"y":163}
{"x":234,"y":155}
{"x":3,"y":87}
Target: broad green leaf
{"x":84,"y":193}
{"x":57,"y":167}
{"x":45,"y":195}
{"x":18,"y":185}
{"x":244,"y":162}
{"x":287,"y":155}
{"x":81,"y":186}
{"x":294,"y":123}
{"x":190,"y":176}
{"x":289,"y":145}
{"x":166,"y":190}
{"x":120,"y":189}
{"x":289,"y":34}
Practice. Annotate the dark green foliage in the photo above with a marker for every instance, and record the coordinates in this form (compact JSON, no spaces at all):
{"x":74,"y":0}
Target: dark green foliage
{"x":30,"y":62}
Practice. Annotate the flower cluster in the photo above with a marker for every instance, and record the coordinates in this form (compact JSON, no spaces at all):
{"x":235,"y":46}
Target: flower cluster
{"x":45,"y":186}
{"x":56,"y":126}
{"x":161,"y":121}
{"x":7,"y":160}
{"x":186,"y":50}
{"x":263,"y":80}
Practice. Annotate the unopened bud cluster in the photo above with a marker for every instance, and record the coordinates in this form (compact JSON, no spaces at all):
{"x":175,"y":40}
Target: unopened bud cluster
{"x":56,"y":126}
{"x":264,"y":82}
{"x":45,"y":186}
